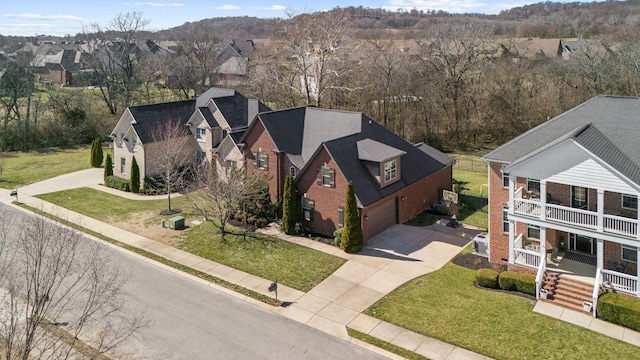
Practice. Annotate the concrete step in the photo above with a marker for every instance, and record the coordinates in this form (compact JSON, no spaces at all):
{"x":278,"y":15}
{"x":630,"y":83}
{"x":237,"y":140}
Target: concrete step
{"x":567,"y":292}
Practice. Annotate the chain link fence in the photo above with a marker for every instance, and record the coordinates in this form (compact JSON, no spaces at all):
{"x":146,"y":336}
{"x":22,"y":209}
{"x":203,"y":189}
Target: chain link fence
{"x":467,"y":164}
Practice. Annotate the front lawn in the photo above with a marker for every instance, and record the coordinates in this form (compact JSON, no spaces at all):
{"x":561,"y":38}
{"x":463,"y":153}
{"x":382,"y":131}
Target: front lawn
{"x":293,"y":265}
{"x":445,"y":305}
{"x":23,"y":168}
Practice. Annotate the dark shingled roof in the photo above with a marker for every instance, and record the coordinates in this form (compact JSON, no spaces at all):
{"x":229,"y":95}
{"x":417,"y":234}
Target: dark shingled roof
{"x":612,"y":134}
{"x":208,"y":116}
{"x":415,"y":164}
{"x":148,"y":117}
{"x":300,"y":132}
{"x":234,"y":108}
{"x":436,"y":154}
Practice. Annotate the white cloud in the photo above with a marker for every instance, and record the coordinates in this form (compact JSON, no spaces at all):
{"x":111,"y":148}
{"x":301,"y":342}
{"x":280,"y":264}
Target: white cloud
{"x":274,"y":7}
{"x":153,"y":4}
{"x":44,"y":17}
{"x":228,"y":7}
{"x":452,"y":6}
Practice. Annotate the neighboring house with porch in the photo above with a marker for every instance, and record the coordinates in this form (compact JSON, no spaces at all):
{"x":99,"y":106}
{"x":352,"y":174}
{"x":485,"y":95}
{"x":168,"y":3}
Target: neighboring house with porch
{"x":326,"y":149}
{"x":563,"y":197}
{"x":212,"y":117}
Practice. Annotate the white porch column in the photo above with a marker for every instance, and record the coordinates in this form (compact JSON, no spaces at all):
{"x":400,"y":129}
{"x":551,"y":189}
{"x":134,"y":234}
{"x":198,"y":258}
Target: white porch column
{"x":512,"y":239}
{"x":638,"y":272}
{"x":600,"y":207}
{"x":543,"y":243}
{"x":543,"y":200}
{"x":512,"y":189}
{"x":600,"y":254}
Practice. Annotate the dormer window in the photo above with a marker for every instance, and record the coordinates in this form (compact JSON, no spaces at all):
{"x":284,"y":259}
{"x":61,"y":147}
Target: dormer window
{"x":390,"y":172}
{"x":201,"y":134}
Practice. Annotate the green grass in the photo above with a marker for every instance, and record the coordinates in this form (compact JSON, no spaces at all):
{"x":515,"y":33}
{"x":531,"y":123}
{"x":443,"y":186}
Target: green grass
{"x":293,"y":265}
{"x":385,"y":345}
{"x":104,"y":206}
{"x":446,"y":306}
{"x":473,"y":182}
{"x":210,"y":278}
{"x":23,"y":168}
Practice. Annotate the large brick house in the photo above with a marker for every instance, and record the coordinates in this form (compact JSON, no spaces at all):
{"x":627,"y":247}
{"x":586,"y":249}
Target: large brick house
{"x":570,"y":187}
{"x":326,"y":149}
{"x":216,"y":120}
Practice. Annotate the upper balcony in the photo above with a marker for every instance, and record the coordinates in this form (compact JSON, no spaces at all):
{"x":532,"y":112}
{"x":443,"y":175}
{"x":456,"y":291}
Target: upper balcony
{"x":611,"y":213}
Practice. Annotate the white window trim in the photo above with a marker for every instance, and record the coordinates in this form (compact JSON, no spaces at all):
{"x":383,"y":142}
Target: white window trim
{"x":326,"y":176}
{"x":123,"y":167}
{"x":628,"y":248}
{"x":622,"y":201}
{"x":393,"y":170}
{"x":503,"y":177}
{"x":504,"y":209}
{"x":203,"y":138}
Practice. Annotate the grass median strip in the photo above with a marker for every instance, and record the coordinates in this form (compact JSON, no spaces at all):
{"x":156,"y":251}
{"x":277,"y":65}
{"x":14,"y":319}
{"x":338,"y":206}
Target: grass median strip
{"x":385,"y":345}
{"x":239,"y":289}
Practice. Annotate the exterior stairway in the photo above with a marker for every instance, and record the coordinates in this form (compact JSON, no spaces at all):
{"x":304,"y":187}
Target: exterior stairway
{"x":566,"y":292}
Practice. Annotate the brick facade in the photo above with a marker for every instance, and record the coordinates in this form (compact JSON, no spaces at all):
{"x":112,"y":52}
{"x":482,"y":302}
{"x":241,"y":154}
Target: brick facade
{"x":258,"y":139}
{"x":327,"y":198}
{"x":498,"y":198}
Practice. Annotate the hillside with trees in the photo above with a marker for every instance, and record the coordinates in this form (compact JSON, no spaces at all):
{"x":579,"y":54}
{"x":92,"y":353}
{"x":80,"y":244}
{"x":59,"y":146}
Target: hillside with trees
{"x":460,"y":82}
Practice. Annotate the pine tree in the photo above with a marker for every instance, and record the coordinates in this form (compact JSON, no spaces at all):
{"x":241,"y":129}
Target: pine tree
{"x":99,"y":155}
{"x":92,"y":154}
{"x":134,"y":180}
{"x":291,"y":212}
{"x":352,"y":240}
{"x":108,"y":167}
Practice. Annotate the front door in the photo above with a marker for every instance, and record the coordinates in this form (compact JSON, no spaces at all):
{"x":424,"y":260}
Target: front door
{"x":582,"y":244}
{"x":579,"y":197}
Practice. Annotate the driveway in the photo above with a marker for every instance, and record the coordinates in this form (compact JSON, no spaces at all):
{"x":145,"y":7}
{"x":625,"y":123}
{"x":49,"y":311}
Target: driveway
{"x":73,"y":180}
{"x":389,"y":260}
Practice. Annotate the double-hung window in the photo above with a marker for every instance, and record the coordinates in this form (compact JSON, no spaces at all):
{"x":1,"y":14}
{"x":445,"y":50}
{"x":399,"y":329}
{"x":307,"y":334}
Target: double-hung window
{"x":390,"y":172}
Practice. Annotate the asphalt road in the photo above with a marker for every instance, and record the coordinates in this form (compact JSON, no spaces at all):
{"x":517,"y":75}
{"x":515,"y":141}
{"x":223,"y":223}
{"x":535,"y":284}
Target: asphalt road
{"x":191,"y":321}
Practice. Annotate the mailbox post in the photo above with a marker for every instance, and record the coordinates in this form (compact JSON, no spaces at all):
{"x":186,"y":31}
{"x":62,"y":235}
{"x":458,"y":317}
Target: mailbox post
{"x":274,"y":288}
{"x":14,"y":192}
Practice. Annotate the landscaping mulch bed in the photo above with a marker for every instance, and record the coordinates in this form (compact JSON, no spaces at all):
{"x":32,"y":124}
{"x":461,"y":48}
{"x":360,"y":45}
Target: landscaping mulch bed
{"x":476,"y":262}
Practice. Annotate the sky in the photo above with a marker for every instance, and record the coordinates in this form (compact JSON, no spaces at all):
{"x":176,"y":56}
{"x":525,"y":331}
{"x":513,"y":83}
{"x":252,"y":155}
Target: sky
{"x":52,"y":17}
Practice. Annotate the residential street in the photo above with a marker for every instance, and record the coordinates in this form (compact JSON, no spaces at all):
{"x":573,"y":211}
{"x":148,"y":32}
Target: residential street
{"x":192,"y":321}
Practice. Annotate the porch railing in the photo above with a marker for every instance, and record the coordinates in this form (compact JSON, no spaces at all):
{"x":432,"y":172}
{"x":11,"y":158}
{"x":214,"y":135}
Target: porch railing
{"x":517,"y":243}
{"x":571,"y":216}
{"x":539,"y":275}
{"x":596,"y":291}
{"x":527,"y":258}
{"x":620,"y":225}
{"x":612,"y":224}
{"x":620,"y":282}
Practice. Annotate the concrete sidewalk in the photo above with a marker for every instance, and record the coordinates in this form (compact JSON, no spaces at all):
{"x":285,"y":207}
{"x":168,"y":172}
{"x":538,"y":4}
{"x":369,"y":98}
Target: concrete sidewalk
{"x":388,"y":261}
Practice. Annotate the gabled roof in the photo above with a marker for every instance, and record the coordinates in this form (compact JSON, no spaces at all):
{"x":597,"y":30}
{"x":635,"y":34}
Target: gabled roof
{"x":371,"y":150}
{"x":148,"y":117}
{"x":438,"y":155}
{"x":208,"y":116}
{"x":608,"y":126}
{"x":302,"y":132}
{"x":415,"y":164}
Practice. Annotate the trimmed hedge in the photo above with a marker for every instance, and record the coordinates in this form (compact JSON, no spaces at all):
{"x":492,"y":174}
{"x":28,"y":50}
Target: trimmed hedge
{"x":487,"y":278}
{"x":515,"y":281}
{"x":619,"y":309}
{"x":117,"y":183}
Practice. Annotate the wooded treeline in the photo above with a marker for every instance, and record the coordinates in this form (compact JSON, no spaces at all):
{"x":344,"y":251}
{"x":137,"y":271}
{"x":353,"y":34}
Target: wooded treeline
{"x":454,"y":85}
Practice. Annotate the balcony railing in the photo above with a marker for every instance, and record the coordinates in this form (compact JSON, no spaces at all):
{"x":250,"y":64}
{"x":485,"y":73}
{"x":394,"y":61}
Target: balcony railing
{"x":527,"y":258}
{"x":584,"y":219}
{"x":620,"y":282}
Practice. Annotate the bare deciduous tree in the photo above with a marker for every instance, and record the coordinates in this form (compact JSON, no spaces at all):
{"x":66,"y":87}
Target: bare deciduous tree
{"x":52,"y":277}
{"x":218,"y":199}
{"x":197,"y":62}
{"x":173,"y":157}
{"x":313,"y":47}
{"x":116,"y":58}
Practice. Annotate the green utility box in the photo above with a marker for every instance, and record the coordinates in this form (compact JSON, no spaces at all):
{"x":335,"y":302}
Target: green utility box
{"x":176,"y":223}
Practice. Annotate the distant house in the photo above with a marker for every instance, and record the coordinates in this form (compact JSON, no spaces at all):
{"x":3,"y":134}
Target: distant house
{"x":211,"y":117}
{"x":563,"y":198}
{"x":532,"y":49}
{"x":326,"y":149}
